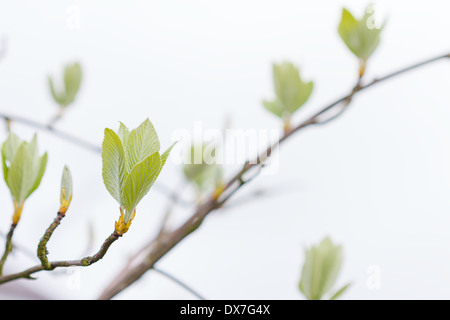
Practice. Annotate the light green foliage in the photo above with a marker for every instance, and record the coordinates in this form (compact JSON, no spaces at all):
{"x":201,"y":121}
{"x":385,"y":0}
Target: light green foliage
{"x":291,"y":92}
{"x":203,"y":173}
{"x":131,"y":164}
{"x":361,"y":36}
{"x":320,"y":270}
{"x":71,"y":85}
{"x":23,"y":168}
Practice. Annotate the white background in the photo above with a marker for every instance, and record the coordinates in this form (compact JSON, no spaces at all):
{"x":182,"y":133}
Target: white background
{"x":376,"y":181}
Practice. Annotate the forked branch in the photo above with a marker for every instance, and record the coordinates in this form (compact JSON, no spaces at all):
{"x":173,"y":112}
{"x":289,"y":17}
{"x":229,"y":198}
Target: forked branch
{"x":164,"y":242}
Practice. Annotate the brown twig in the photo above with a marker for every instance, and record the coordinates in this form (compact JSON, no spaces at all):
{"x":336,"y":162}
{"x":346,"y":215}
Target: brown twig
{"x":58,"y":116}
{"x":180,"y":283}
{"x":42,"y":246}
{"x":8,"y":247}
{"x":164,"y":242}
{"x":58,"y":133}
{"x":87,"y":261}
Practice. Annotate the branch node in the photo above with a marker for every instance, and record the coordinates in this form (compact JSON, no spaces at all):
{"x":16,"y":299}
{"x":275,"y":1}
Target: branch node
{"x":86,"y":261}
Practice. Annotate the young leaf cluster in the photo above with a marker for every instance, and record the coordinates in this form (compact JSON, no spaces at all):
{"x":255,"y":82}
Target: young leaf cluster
{"x":321,"y":268}
{"x":291,"y":92}
{"x":131,"y":164}
{"x":360,"y":36}
{"x":70,"y":86}
{"x":23,"y":167}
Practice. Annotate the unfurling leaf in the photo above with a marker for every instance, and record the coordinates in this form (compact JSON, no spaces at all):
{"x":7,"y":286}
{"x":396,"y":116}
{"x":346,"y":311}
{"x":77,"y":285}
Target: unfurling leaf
{"x":70,"y":86}
{"x":113,"y":158}
{"x":290,"y":90}
{"x":321,"y":269}
{"x":139,"y":181}
{"x":131,"y":165}
{"x":360,"y":36}
{"x":23,"y":168}
{"x":140,"y":143}
{"x":66,"y":190}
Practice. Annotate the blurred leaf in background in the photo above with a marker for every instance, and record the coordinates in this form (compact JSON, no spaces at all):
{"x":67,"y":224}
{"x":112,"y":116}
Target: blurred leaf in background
{"x":321,"y":269}
{"x":201,"y":169}
{"x":362,"y":36}
{"x":291,"y":92}
{"x":64,"y":94}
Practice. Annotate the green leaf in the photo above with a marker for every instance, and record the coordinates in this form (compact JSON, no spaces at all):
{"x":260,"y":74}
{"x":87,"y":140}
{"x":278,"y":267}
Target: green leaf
{"x":166,"y":154}
{"x":320,"y":269}
{"x":290,"y":90}
{"x":359,"y":36}
{"x":20,"y":175}
{"x":9,"y":149}
{"x":141,"y":142}
{"x":38,"y":163}
{"x":60,"y":96}
{"x":38,"y":170}
{"x":275,"y":107}
{"x":123,"y":133}
{"x":72,"y":81}
{"x":23,"y":168}
{"x":340,"y":292}
{"x":113,"y":159}
{"x":139,"y":181}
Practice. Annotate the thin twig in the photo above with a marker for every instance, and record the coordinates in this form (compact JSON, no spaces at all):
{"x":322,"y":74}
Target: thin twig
{"x":30,"y":254}
{"x":165,"y":242}
{"x":87,"y":261}
{"x":58,"y":116}
{"x":42,"y":246}
{"x":8,"y":247}
{"x":58,"y":133}
{"x":255,"y":195}
{"x":180,"y":283}
{"x":170,"y":206}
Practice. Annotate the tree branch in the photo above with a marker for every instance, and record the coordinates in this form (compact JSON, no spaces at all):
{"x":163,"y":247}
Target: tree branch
{"x":164,"y":242}
{"x":42,"y":246}
{"x":8,"y":247}
{"x":58,"y":133}
{"x":182,"y":284}
{"x":87,"y":261}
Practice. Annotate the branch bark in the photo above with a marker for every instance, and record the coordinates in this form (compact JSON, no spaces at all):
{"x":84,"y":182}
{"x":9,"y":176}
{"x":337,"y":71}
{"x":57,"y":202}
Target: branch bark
{"x":164,"y":242}
{"x":87,"y":261}
{"x":42,"y":246}
{"x":8,"y":247}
